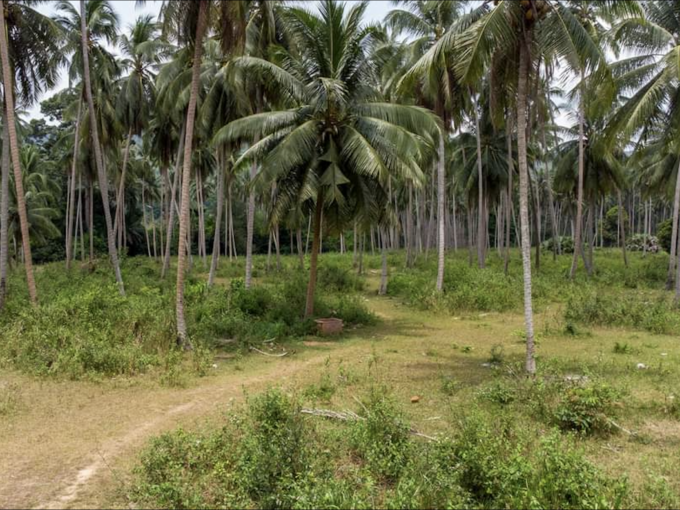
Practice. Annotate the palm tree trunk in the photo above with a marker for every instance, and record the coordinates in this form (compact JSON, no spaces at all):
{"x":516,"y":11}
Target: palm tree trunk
{"x":591,"y":234}
{"x":622,"y":227}
{"x":674,"y":234}
{"x":218,"y":219}
{"x":101,"y":172}
{"x":409,"y":227}
{"x":481,"y":236}
{"x":72,"y":191}
{"x":677,"y":274}
{"x":522,"y":89}
{"x":383,"y":273}
{"x":250,"y":225}
{"x":316,"y":243}
{"x":7,"y":77}
{"x":201,"y":219}
{"x":508,"y":195}
{"x":146,"y":230}
{"x":301,"y":251}
{"x":4,"y":212}
{"x":90,"y":219}
{"x":277,"y":246}
{"x":441,"y":185}
{"x":362,"y":245}
{"x":578,"y":242}
{"x":186,"y":171}
{"x":81,"y":213}
{"x":172,"y":205}
{"x":120,"y":196}
{"x":153,"y":231}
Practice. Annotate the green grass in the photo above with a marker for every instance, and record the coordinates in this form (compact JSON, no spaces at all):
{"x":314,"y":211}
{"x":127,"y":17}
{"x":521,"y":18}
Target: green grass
{"x":83,"y":328}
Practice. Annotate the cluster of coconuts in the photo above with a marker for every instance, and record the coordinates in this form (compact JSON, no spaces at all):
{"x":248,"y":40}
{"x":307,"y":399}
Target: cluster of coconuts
{"x":534,"y":8}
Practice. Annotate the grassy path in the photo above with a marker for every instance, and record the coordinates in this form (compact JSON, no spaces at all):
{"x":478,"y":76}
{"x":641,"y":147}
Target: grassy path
{"x":73,"y":444}
{"x":70,"y":443}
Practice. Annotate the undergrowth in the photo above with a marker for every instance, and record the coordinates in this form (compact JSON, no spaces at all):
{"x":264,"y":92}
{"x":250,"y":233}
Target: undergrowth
{"x":84,"y":328}
{"x":271,"y":456}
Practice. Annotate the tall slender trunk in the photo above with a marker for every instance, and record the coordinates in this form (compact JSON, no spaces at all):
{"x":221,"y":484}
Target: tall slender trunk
{"x":186,"y":174}
{"x":481,"y":224}
{"x":383,"y":254}
{"x":362,"y":245}
{"x":250,"y":223}
{"x":301,"y":250}
{"x":90,"y":219}
{"x":8,"y":78}
{"x":72,"y":191}
{"x":677,"y":274}
{"x":522,"y":90}
{"x":316,"y":243}
{"x":277,"y":246}
{"x":201,"y":219}
{"x":578,"y":241}
{"x":591,"y":234}
{"x":218,"y":216}
{"x":508,"y":194}
{"x":674,"y":234}
{"x":537,"y":215}
{"x":441,"y":191}
{"x":153,"y":231}
{"x":4,"y":212}
{"x":622,"y":228}
{"x":81,"y":213}
{"x":146,"y":224}
{"x":118,"y":224}
{"x":409,"y":227}
{"x":101,"y":172}
{"x":172,"y":205}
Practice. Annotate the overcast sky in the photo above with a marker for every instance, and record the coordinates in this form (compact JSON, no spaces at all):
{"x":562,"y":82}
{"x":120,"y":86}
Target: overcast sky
{"x":128,"y":12}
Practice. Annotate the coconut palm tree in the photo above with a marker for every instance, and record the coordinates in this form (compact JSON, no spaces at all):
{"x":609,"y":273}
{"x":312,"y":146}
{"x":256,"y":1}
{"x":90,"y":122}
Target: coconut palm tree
{"x":517,"y":34}
{"x":142,"y":52}
{"x":102,"y":27}
{"x":436,"y":88}
{"x":336,"y":146}
{"x":30,"y":64}
{"x":651,"y":76}
{"x":101,"y":171}
{"x":195,"y":17}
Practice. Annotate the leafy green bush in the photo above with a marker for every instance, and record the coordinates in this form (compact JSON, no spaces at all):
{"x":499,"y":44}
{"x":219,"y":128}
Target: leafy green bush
{"x":587,"y":408}
{"x":499,"y":393}
{"x":274,"y":450}
{"x":497,"y":471}
{"x":382,"y":439}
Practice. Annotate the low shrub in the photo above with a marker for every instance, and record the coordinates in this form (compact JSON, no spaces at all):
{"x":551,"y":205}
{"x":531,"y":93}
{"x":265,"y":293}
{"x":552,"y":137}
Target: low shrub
{"x":586,"y":409}
{"x":272,"y":457}
{"x":637,"y":242}
{"x":565,"y":244}
{"x":608,"y":309}
{"x":382,"y":439}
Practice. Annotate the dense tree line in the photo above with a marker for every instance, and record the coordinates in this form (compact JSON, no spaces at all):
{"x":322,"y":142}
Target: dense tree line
{"x":222,"y":129}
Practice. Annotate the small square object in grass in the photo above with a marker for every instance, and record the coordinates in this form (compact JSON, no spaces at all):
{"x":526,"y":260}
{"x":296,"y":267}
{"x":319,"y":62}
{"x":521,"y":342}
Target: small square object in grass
{"x":329,"y":326}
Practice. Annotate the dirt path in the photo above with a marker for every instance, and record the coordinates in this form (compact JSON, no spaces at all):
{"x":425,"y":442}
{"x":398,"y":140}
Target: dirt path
{"x":70,"y":440}
{"x":74,"y":437}
{"x":72,"y":444}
